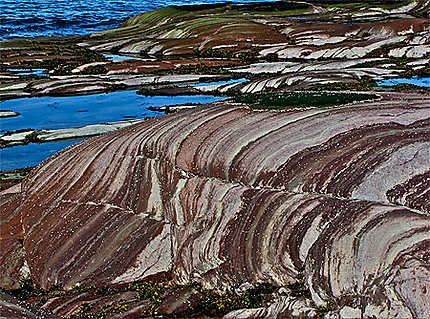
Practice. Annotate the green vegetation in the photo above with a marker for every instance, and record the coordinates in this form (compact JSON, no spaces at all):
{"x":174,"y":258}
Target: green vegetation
{"x":323,"y":310}
{"x":152,"y":291}
{"x":27,"y":289}
{"x":189,"y":21}
{"x":56,"y":55}
{"x":290,"y":100}
{"x":299,"y":288}
{"x":86,"y":311}
{"x":210,"y":303}
{"x":350,"y":4}
{"x":29,"y":138}
{"x":10,"y":178}
{"x":217,"y":304}
{"x":384,"y":50}
{"x":95,"y":69}
{"x":363,"y":84}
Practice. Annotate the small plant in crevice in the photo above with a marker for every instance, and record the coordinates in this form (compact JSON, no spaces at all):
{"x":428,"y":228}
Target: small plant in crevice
{"x":299,"y":288}
{"x":272,"y":57}
{"x":152,"y":291}
{"x":87,"y":311}
{"x":152,"y":294}
{"x":95,"y":69}
{"x":323,"y":310}
{"x":26,"y":290}
{"x":214,"y":303}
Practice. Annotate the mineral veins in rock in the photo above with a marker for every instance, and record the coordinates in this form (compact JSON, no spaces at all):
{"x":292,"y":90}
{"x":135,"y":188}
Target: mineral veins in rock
{"x":225,"y":195}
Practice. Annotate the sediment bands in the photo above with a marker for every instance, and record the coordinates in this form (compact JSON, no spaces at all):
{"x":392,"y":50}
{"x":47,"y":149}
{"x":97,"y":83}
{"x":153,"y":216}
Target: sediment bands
{"x":225,"y":195}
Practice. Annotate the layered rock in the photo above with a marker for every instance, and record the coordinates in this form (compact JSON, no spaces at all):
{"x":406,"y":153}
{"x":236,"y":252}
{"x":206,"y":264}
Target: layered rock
{"x":198,"y":39}
{"x":12,"y":308}
{"x":223,"y":195}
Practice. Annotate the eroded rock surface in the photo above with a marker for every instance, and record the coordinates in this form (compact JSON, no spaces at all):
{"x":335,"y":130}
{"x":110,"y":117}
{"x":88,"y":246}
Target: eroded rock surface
{"x":223,"y":195}
{"x":336,"y":200}
{"x":12,"y":308}
{"x":313,"y":42}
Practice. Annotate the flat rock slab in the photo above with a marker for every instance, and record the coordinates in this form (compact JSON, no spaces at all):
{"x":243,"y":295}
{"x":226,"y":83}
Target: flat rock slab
{"x":44,"y":136}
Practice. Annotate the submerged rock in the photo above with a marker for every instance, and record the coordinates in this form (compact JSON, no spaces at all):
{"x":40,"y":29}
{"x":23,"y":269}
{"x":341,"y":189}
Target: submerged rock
{"x":6,"y":113}
{"x":23,"y":137}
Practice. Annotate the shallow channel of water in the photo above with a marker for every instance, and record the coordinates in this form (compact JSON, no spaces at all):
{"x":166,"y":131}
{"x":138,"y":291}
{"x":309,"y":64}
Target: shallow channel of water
{"x":221,"y":82}
{"x":120,"y":57}
{"x":65,"y":112}
{"x":75,"y":111}
{"x":419,"y":81}
{"x":29,"y":155}
{"x":40,"y":72}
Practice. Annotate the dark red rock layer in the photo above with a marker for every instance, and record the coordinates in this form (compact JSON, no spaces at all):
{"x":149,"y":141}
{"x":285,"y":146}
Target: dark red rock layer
{"x":12,"y":254}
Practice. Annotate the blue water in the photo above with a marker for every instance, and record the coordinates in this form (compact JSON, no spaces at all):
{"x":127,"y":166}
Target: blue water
{"x":31,"y":18}
{"x":29,"y":155}
{"x":40,"y":72}
{"x":64,"y":112}
{"x":120,"y":57}
{"x":420,"y":81}
{"x":73,"y":111}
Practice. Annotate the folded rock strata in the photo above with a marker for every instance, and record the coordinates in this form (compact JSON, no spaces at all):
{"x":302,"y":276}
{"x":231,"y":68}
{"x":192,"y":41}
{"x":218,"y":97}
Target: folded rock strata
{"x":224,"y":195}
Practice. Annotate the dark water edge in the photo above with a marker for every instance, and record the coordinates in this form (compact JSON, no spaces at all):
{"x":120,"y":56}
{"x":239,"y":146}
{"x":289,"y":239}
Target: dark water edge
{"x":34,"y":18}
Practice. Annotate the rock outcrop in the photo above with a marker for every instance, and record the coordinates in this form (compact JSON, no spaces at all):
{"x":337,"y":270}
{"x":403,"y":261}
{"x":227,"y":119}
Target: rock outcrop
{"x":12,"y":308}
{"x":332,"y":201}
{"x":209,"y":39}
{"x":223,"y":195}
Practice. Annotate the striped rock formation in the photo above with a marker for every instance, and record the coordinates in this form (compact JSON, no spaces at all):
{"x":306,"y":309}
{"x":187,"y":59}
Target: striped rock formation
{"x":224,"y":195}
{"x":311,"y":42}
{"x":12,"y":308}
